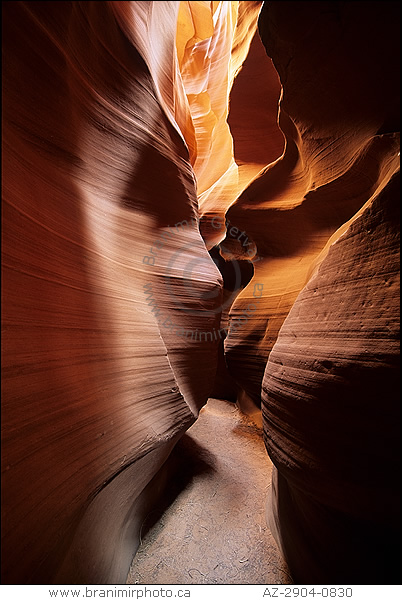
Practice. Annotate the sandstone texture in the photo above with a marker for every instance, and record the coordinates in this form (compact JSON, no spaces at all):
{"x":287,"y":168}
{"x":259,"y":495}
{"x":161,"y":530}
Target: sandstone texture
{"x":325,"y":221}
{"x":200,"y":199}
{"x":341,"y":145}
{"x":95,"y":389}
{"x":331,"y":409}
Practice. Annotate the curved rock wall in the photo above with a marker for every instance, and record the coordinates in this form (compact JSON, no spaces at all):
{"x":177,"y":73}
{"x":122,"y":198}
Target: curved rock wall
{"x":330,"y":388}
{"x":213,"y":41}
{"x":331,"y":409}
{"x":339,"y":147}
{"x":116,"y":154}
{"x":101,"y":372}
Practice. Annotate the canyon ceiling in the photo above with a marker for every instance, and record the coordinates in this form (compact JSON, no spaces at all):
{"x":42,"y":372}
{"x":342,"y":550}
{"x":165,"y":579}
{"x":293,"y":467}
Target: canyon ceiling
{"x":142,"y":140}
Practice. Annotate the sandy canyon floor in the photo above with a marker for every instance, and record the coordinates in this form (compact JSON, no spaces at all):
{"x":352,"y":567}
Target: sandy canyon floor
{"x":211,"y":527}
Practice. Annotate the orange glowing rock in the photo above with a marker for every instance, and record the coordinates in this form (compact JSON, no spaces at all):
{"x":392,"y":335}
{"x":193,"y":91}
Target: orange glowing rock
{"x":212,"y":42}
{"x":120,"y":149}
{"x":321,"y":344}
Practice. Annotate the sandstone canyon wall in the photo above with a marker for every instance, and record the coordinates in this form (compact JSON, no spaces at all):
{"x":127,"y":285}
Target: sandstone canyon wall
{"x":120,"y":155}
{"x":325,"y":214}
{"x":331,"y":409}
{"x":100,"y":374}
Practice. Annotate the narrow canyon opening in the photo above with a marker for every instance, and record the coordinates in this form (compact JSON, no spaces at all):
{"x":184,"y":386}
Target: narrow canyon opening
{"x":210,"y":527}
{"x":200,"y":293}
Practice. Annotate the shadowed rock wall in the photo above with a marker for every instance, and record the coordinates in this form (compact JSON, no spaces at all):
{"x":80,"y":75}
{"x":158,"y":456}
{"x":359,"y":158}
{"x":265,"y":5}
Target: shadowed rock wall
{"x":95,"y":389}
{"x":116,"y":144}
{"x":341,"y":144}
{"x":330,"y":388}
{"x":331,"y":409}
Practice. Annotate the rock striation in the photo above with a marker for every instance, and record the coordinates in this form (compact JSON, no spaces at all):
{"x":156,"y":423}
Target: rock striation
{"x":322,"y":344}
{"x":331,"y":409}
{"x":341,"y":145}
{"x":136,"y":154}
{"x":101,"y":369}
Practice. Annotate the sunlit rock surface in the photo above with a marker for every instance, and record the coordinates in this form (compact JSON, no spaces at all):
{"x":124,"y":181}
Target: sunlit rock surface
{"x":100,"y":376}
{"x":120,"y":150}
{"x":340,"y":147}
{"x":330,"y":389}
{"x":213,"y":40}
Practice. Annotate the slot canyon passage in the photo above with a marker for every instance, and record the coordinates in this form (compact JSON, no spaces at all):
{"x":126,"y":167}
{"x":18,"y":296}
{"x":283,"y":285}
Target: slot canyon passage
{"x":200,"y":293}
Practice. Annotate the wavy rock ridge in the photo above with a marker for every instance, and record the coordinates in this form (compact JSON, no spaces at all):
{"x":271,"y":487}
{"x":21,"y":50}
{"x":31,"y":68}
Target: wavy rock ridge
{"x":120,"y":149}
{"x":99,"y":201}
{"x":323,"y":341}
